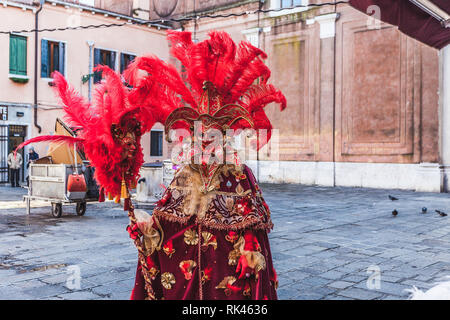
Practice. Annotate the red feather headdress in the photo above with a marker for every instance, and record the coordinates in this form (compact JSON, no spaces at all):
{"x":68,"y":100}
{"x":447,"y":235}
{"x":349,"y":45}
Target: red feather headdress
{"x":109,"y":131}
{"x":222,"y":93}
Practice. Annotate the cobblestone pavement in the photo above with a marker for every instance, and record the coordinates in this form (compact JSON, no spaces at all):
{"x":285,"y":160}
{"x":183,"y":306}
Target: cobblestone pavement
{"x":328,"y":243}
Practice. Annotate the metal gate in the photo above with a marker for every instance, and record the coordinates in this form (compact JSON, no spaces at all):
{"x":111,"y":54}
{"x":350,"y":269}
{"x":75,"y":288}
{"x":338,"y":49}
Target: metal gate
{"x":4,"y":137}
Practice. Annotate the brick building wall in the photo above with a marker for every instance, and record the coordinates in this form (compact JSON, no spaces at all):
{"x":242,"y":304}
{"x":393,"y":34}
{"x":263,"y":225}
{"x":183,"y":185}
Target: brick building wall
{"x":362,"y":97}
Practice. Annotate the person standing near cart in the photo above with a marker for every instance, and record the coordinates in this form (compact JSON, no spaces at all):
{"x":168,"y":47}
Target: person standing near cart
{"x":32,"y":156}
{"x":15,"y":163}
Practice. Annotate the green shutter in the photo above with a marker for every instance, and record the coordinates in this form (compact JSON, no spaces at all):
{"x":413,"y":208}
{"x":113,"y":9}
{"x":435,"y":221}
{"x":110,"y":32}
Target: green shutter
{"x":12,"y":54}
{"x":22,"y":55}
{"x":18,"y":55}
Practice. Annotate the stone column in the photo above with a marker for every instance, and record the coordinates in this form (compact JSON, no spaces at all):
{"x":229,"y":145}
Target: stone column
{"x":444,"y":116}
{"x":325,"y":170}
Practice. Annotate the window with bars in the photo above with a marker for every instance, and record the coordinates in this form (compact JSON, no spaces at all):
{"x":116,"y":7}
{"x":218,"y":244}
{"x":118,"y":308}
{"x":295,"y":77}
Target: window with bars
{"x":17,"y":55}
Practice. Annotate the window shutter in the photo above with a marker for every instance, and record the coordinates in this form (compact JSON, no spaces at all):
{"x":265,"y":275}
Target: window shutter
{"x":44,"y":59}
{"x":160,"y":143}
{"x":96,"y":57}
{"x":97,"y":75}
{"x":152,"y":144}
{"x":62,"y":56}
{"x":21,"y":55}
{"x":13,"y":54}
{"x":122,"y":62}
{"x":113,"y":60}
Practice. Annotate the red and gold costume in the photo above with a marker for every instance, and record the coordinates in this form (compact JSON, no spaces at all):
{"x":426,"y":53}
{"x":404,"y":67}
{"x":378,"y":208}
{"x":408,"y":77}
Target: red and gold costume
{"x":208,"y":236}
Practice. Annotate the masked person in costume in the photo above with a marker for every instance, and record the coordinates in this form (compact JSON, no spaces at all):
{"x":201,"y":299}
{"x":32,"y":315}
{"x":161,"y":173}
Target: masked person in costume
{"x":208,"y":235}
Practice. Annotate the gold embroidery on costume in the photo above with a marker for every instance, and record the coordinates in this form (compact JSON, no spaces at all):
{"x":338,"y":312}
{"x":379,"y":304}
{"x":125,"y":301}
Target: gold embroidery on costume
{"x":233,"y":257}
{"x":167,"y":280}
{"x":255,"y":261}
{"x":206,"y":274}
{"x":186,"y":267}
{"x":239,"y":189}
{"x":152,"y":241}
{"x":247,"y":291}
{"x":169,"y":249}
{"x":232,"y":236}
{"x":225,"y":283}
{"x":215,"y":209}
{"x":229,"y":202}
{"x":153,"y":272}
{"x":235,"y":254}
{"x":191,"y":237}
{"x":209,"y":240}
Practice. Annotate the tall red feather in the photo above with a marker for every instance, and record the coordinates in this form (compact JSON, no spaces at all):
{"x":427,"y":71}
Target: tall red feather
{"x":75,"y":107}
{"x":258,"y":96}
{"x":161,"y":72}
{"x":56,"y":138}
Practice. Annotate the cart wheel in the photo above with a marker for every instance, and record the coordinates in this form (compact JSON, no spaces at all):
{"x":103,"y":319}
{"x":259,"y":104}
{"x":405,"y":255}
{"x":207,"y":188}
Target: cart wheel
{"x":81,"y":208}
{"x":57,"y":210}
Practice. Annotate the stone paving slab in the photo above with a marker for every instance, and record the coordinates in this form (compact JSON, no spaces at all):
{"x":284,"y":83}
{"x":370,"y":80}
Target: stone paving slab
{"x":326,"y":244}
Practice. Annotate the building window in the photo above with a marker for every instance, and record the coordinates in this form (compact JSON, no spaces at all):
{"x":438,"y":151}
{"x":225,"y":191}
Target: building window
{"x":290,"y":3}
{"x":277,"y":4}
{"x":53,"y":55}
{"x":17,"y":55}
{"x":125,"y":60}
{"x":252,"y":36}
{"x":88,"y":2}
{"x":103,"y":57}
{"x":156,"y":143}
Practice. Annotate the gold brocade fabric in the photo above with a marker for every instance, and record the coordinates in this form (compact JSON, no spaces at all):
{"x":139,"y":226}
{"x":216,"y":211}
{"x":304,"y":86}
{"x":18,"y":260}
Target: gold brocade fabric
{"x":222,"y":206}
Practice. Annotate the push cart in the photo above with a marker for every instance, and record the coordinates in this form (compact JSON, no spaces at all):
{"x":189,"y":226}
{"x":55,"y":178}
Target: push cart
{"x":48,"y":182}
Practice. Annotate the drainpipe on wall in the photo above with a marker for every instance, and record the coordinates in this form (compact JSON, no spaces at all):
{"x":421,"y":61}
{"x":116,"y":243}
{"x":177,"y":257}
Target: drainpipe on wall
{"x":36,"y":47}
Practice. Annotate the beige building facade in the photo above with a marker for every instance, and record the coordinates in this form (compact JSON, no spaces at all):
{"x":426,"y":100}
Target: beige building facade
{"x":72,"y":52}
{"x":367,"y":105}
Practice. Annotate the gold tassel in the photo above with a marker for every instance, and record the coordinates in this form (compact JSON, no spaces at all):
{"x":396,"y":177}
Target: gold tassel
{"x":117,"y":199}
{"x":124,"y":190}
{"x":110,"y":196}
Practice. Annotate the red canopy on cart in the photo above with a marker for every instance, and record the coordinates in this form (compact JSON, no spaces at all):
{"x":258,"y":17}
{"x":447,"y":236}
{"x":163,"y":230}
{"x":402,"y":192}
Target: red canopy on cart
{"x":410,"y":19}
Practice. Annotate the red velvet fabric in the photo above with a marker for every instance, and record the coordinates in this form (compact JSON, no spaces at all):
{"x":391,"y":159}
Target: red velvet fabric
{"x":212,"y":260}
{"x":260,"y":289}
{"x":410,"y":19}
{"x":251,"y":242}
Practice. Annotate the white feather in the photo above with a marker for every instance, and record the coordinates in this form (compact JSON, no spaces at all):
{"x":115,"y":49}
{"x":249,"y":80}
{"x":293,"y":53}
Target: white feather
{"x":441,"y":291}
